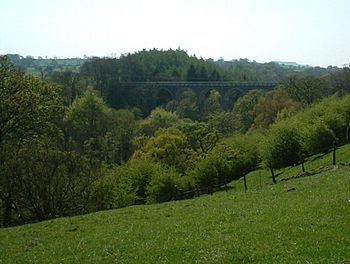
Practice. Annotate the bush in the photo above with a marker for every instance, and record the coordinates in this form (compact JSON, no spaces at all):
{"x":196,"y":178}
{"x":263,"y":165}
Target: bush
{"x":318,"y":138}
{"x":114,"y":189}
{"x":229,"y":160}
{"x":333,"y":112}
{"x":283,"y":146}
{"x":163,"y":186}
{"x":137,"y":182}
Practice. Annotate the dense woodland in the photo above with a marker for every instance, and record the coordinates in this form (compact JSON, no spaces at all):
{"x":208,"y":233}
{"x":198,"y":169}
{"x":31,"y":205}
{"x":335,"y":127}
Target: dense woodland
{"x":68,"y":146}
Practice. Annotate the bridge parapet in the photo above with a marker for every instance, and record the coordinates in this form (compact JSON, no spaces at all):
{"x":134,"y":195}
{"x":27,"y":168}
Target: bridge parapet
{"x":190,"y":84}
{"x":174,"y":89}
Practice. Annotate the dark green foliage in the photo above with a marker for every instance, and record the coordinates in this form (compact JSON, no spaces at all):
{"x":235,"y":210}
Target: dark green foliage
{"x":306,"y":90}
{"x":340,"y":81}
{"x":187,"y":106}
{"x":49,"y":182}
{"x":71,"y":83}
{"x":29,"y":110}
{"x":88,"y":117}
{"x":243,"y":110}
{"x":28,"y":105}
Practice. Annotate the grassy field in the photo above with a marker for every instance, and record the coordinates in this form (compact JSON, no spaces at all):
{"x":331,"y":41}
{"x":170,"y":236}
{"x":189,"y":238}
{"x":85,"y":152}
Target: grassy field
{"x":303,"y":220}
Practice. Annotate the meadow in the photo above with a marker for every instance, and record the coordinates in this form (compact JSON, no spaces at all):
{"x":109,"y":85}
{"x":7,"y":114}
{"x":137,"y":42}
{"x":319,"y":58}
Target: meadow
{"x":301,"y":220}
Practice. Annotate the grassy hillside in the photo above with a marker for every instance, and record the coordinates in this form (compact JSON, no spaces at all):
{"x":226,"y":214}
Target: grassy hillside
{"x":303,"y":220}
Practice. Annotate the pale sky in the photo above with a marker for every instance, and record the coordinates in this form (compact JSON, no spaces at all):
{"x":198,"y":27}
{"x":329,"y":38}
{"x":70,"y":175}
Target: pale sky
{"x":314,"y":32}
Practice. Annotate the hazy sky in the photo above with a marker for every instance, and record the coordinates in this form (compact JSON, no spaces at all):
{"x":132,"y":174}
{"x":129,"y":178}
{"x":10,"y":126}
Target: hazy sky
{"x":315,"y":32}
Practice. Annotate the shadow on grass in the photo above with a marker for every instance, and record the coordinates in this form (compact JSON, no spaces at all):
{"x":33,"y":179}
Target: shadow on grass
{"x":318,"y":156}
{"x":227,"y":188}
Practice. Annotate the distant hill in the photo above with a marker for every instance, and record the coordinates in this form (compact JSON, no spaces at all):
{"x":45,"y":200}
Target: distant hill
{"x":291,"y":64}
{"x":170,"y":65}
{"x":35,"y":66}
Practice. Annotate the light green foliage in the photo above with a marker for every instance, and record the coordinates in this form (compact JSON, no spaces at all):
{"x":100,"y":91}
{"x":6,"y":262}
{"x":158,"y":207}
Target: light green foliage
{"x":115,"y":188}
{"x":200,"y":137}
{"x":229,"y":160}
{"x":169,"y":147}
{"x":163,"y":186}
{"x":136,"y":182}
{"x":318,"y":138}
{"x":158,"y":118}
{"x":282,"y":146}
{"x":333,"y":112}
{"x":223,"y":122}
{"x":310,"y":223}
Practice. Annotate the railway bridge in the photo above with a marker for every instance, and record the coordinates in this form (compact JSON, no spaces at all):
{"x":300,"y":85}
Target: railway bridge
{"x":158,"y":93}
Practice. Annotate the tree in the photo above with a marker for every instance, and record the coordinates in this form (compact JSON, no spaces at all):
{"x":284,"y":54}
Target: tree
{"x":223,"y":122}
{"x":200,"y":136}
{"x":306,"y":90}
{"x":70,"y":86}
{"x":340,"y":81}
{"x":243,"y":110}
{"x":50,"y":182}
{"x":28,"y":105}
{"x":318,"y":138}
{"x":124,"y":130}
{"x":228,"y":160}
{"x":168,"y":147}
{"x":29,"y":108}
{"x":191,"y":73}
{"x":269,"y":106}
{"x":88,"y":117}
{"x":212,"y":104}
{"x":203,"y":74}
{"x":282,"y":147}
{"x":158,"y":118}
{"x":215,"y":76}
{"x":187,"y":107}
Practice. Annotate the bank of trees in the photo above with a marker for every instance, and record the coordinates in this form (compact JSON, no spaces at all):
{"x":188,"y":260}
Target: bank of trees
{"x":65,"y":151}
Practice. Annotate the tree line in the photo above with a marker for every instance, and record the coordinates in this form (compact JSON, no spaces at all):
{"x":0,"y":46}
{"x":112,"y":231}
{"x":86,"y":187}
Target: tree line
{"x":65,"y":151}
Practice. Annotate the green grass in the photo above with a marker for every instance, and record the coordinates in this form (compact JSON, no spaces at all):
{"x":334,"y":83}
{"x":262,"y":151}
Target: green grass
{"x":260,"y":178}
{"x":304,"y":220}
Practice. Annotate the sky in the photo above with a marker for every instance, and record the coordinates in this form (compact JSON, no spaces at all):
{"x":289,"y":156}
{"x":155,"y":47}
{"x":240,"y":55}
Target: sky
{"x":313,"y":32}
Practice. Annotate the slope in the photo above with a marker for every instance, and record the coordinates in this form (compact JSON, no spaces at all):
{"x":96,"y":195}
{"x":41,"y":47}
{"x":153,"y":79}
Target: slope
{"x":303,"y":220}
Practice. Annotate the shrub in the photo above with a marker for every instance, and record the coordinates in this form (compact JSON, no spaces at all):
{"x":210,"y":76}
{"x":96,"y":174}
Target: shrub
{"x":283,"y":146}
{"x":163,"y":186}
{"x":229,"y":160}
{"x":318,"y":138}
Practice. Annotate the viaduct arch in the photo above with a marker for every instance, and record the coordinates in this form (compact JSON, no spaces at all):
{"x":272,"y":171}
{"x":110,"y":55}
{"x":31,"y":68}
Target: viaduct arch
{"x":173,"y":90}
